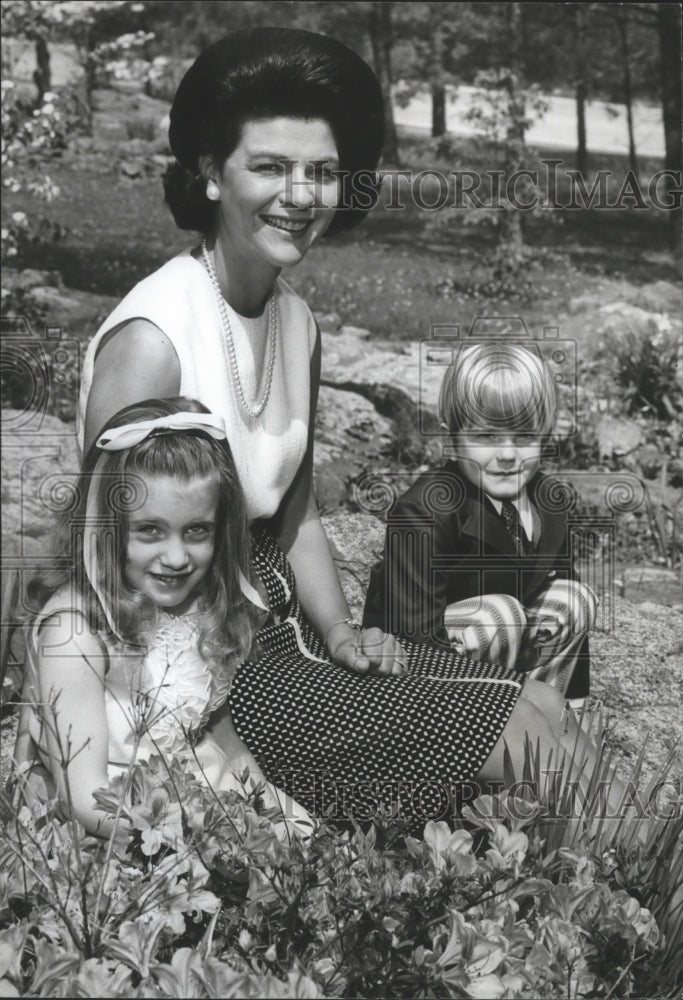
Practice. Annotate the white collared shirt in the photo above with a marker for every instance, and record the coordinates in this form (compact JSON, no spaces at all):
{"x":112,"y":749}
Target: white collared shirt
{"x":523,"y":506}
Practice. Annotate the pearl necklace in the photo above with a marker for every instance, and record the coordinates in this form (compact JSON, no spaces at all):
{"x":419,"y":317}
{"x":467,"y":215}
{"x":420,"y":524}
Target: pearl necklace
{"x":229,"y":344}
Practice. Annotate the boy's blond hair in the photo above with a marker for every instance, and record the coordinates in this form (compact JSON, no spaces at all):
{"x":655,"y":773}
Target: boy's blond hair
{"x":498,"y":386}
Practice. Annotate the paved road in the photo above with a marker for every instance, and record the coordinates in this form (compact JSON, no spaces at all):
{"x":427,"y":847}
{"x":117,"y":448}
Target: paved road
{"x":605,"y":123}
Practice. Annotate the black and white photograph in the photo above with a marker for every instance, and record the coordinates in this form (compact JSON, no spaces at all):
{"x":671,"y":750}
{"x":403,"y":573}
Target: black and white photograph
{"x":342,"y":500}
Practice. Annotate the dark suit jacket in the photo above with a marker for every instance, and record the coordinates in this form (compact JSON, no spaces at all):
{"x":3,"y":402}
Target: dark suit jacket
{"x":445,"y":542}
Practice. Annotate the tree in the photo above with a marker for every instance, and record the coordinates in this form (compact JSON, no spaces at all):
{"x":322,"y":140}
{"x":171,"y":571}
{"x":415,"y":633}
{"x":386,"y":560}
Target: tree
{"x":437,"y":83}
{"x":380,"y":29}
{"x":622,"y":23}
{"x":669,"y":28}
{"x":511,"y":230}
{"x":580,"y":85}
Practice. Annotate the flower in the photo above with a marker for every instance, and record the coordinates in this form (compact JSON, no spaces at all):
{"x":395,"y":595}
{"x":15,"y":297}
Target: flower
{"x":444,"y":844}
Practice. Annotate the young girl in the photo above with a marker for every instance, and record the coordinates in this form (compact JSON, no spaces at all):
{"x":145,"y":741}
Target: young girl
{"x":489,"y":570}
{"x":137,"y":643}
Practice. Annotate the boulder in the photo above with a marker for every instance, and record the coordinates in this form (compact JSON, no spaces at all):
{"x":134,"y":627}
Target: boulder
{"x":617,"y":436}
{"x":356,"y":541}
{"x":78,"y":313}
{"x":401,"y":380}
{"x":350,"y":437}
{"x":350,"y":355}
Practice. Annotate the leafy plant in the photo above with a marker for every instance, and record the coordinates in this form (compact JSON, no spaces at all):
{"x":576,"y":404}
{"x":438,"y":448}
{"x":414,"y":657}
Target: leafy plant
{"x":647,"y":364}
{"x":214,"y":897}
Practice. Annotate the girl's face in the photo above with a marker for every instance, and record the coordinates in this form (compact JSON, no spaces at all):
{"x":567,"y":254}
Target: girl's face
{"x":500,"y":463}
{"x":278,"y":190}
{"x":171,"y":539}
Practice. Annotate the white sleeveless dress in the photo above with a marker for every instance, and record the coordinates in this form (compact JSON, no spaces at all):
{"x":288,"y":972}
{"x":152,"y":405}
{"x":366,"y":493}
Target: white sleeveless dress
{"x":180,"y":299}
{"x":154,"y":698}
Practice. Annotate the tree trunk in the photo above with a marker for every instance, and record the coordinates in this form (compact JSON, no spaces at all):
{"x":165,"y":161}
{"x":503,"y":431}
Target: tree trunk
{"x":511,"y":227}
{"x":380,"y":38}
{"x":580,"y":89}
{"x":42,"y":75}
{"x":669,"y":26}
{"x":438,"y":87}
{"x":438,"y":109}
{"x":628,"y":88}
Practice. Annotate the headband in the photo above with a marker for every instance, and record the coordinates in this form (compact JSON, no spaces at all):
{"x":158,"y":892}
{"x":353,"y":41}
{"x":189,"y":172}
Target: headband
{"x":128,"y":435}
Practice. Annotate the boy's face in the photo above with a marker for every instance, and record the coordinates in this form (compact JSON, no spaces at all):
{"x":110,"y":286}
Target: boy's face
{"x":500,"y":463}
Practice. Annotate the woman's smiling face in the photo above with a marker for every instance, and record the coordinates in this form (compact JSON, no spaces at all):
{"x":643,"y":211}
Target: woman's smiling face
{"x":278,"y":190}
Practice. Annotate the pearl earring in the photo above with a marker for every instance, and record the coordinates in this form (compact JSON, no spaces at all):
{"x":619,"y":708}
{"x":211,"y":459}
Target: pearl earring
{"x":212,"y":192}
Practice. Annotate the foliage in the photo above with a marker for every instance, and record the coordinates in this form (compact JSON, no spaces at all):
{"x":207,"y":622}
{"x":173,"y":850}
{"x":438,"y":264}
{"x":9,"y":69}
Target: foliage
{"x":647,"y":364}
{"x":213,"y":897}
{"x":31,"y":137}
{"x":120,"y":59}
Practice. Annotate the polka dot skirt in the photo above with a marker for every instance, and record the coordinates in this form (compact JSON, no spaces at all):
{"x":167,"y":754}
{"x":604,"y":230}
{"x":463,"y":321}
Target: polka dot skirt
{"x":350,"y":744}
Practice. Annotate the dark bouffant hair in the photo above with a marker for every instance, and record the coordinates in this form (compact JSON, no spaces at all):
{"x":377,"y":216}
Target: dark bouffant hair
{"x":264,"y":73}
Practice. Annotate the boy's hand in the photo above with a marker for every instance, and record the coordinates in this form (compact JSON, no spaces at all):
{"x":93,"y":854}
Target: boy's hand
{"x":366,"y":650}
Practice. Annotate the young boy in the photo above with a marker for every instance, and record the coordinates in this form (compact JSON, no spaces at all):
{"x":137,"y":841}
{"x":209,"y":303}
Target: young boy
{"x":477,"y":553}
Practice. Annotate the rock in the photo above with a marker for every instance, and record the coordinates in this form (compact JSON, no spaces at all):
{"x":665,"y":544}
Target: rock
{"x":331,"y":483}
{"x":132,"y":168}
{"x":652,"y":584}
{"x":30,"y":278}
{"x":357,"y":541}
{"x":355,"y":331}
{"x":659,"y":297}
{"x":348,"y":357}
{"x":348,"y":428}
{"x":650,"y":459}
{"x":39,"y":466}
{"x":654,"y":297}
{"x":617,"y":436}
{"x":78,"y":313}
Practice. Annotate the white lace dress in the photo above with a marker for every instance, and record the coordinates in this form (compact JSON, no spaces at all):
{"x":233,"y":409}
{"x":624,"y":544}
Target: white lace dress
{"x":159,"y":702}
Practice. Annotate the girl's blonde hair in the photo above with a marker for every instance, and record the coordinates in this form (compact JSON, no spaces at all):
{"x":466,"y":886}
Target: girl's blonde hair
{"x":108,"y":489}
{"x":491,"y":386}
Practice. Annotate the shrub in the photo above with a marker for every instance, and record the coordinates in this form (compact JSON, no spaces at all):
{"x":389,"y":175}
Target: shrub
{"x":215,"y":898}
{"x":647,"y":364}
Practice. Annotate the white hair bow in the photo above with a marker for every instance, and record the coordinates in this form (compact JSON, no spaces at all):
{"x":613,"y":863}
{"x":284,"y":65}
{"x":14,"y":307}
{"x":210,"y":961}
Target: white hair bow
{"x":128,"y":435}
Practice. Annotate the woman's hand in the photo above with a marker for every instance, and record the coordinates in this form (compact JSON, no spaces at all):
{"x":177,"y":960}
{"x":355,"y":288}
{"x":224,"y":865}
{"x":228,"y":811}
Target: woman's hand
{"x":366,"y":650}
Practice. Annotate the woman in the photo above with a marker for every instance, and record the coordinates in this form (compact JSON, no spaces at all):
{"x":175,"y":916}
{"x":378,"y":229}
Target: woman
{"x":269,"y":128}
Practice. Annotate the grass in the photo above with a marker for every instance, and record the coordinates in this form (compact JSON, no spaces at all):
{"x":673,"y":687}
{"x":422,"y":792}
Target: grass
{"x":400,"y":272}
